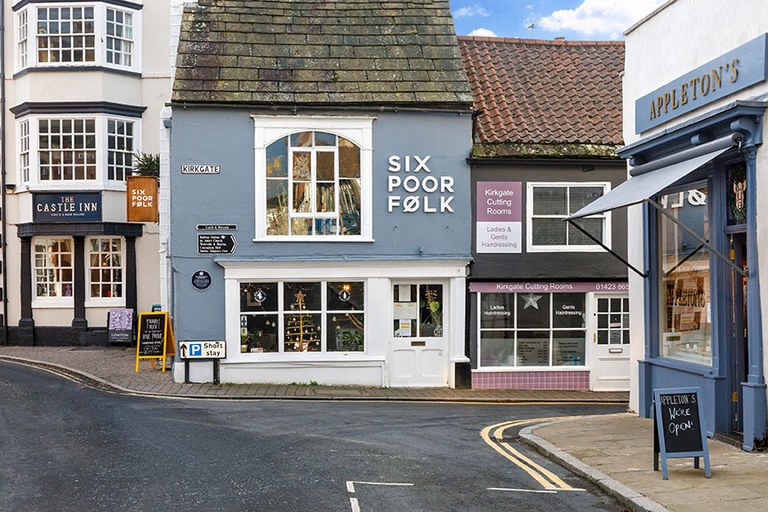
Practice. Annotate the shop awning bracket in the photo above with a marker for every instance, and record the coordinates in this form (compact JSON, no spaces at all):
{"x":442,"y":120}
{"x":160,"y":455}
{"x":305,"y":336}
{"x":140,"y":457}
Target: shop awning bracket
{"x":704,"y":242}
{"x":608,"y":249}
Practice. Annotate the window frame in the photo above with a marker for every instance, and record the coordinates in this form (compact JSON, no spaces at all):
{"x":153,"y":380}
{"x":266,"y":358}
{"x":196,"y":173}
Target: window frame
{"x":358,"y":130}
{"x":606,"y":216}
{"x":34,"y":183}
{"x":516,"y":329}
{"x":61,"y":301}
{"x":90,"y":300}
{"x":28,"y":47}
{"x":325,"y":312}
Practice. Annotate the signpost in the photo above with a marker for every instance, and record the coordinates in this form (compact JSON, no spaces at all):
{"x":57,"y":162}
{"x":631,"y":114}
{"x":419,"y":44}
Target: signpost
{"x":679,"y":428}
{"x":202,"y":350}
{"x":216,"y":244}
{"x":120,"y":326}
{"x":155,"y":339}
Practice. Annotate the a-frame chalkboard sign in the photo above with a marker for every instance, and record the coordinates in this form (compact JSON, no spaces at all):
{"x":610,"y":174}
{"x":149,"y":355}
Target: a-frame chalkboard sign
{"x":679,"y":428}
{"x":155,"y":339}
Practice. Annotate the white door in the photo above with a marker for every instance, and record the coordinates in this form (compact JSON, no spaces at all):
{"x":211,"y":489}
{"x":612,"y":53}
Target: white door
{"x":609,"y":350}
{"x":419,"y":351}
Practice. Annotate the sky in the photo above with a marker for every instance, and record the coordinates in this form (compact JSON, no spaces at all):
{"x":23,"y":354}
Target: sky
{"x":585,"y":20}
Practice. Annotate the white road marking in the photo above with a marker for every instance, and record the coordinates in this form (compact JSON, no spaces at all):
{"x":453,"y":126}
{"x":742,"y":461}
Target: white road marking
{"x":355,"y":505}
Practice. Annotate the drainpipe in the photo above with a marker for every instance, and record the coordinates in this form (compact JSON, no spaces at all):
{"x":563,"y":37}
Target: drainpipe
{"x":3,"y":211}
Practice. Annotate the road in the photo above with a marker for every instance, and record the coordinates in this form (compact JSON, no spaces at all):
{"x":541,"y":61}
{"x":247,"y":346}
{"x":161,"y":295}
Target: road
{"x":67,"y":447}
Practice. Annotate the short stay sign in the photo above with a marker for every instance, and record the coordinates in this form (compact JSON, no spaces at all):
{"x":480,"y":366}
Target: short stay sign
{"x":679,"y":427}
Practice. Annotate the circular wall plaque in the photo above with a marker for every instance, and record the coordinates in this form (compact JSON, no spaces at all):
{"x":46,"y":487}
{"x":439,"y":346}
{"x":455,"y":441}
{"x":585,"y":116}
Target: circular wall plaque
{"x":201,"y":280}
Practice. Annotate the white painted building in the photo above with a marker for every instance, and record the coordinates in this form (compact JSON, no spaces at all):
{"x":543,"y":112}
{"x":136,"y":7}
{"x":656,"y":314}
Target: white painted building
{"x":85,"y":83}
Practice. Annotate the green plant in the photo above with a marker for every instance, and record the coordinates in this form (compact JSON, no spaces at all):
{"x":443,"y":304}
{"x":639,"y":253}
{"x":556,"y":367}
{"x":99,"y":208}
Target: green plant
{"x":352,"y":341}
{"x":146,"y":164}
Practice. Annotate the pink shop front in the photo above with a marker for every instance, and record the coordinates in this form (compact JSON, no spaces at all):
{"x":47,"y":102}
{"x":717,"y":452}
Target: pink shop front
{"x":550,"y":335}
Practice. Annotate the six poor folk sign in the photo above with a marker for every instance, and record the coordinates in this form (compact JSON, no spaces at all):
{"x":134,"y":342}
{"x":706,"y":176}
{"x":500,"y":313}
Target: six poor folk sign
{"x":679,"y":431}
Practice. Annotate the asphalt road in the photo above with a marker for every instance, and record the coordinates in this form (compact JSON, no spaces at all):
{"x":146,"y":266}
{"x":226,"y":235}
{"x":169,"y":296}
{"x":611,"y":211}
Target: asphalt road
{"x":67,"y":447}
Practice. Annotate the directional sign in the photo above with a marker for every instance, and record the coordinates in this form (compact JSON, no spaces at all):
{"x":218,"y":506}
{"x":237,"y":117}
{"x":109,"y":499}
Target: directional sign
{"x":202,"y":349}
{"x":216,"y":244}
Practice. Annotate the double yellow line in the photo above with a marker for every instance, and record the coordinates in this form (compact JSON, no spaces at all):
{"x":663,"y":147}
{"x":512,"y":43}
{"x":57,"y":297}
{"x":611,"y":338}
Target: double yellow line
{"x":494,"y":436}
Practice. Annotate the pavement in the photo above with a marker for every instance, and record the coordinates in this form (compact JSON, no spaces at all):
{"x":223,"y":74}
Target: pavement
{"x":615,"y":451}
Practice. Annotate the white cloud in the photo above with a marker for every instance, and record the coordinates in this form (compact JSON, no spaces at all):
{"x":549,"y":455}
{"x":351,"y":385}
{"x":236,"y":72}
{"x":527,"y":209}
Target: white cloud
{"x":482,"y":32}
{"x":605,"y":18}
{"x":468,"y":12}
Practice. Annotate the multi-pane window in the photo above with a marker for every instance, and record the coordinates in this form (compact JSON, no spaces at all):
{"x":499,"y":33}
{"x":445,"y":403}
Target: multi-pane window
{"x":105,"y":267}
{"x":89,"y":33}
{"x":119,"y":37}
{"x":313,"y":184}
{"x":88,"y":151}
{"x":23,"y":39}
{"x":119,"y":149}
{"x":418,"y":310}
{"x":550,"y":204}
{"x":532,"y":329}
{"x":319,"y":316}
{"x":66,"y":34}
{"x":612,"y":321}
{"x":53,"y":267}
{"x":67,"y":149}
{"x":24,"y":151}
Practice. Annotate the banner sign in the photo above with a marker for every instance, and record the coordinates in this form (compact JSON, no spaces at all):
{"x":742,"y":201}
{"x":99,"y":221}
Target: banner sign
{"x":565,"y":287}
{"x":66,"y":207}
{"x":141,"y":199}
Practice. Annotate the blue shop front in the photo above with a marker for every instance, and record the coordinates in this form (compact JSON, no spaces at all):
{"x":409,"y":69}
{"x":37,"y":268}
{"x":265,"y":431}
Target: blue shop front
{"x":696,"y":265}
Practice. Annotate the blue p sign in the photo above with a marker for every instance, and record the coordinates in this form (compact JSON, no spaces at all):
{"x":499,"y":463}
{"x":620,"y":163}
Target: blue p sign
{"x":195,"y":349}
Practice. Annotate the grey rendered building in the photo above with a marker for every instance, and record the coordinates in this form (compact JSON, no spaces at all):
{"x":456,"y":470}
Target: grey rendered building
{"x":320,"y":192}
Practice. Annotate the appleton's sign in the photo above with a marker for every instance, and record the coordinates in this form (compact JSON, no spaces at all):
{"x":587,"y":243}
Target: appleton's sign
{"x":736,"y":70}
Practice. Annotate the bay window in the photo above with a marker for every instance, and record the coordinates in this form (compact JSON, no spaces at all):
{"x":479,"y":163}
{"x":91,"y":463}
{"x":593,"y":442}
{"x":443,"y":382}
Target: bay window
{"x":82,"y":34}
{"x":84,"y":152}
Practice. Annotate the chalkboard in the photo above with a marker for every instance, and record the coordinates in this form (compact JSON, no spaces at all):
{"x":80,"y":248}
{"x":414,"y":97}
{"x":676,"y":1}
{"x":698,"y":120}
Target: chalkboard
{"x":152,"y":334}
{"x":120,"y":326}
{"x":679,"y":421}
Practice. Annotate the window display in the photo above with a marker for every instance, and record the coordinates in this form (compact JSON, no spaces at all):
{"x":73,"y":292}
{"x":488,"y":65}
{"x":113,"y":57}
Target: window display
{"x":685,"y":300}
{"x":532,"y":329}
{"x":302,"y":317}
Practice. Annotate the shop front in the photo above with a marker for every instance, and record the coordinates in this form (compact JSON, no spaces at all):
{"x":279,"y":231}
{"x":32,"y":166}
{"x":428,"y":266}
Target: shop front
{"x":696,"y":270}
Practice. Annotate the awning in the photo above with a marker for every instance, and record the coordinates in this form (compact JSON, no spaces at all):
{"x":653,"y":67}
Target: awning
{"x":640,"y":188}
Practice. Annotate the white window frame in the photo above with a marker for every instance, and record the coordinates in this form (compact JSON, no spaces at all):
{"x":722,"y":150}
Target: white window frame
{"x":358,"y":130}
{"x":516,"y":330}
{"x":52,"y":302}
{"x":530,"y":247}
{"x":90,"y":300}
{"x":102,"y":152}
{"x":282,"y":313}
{"x":29,"y":14}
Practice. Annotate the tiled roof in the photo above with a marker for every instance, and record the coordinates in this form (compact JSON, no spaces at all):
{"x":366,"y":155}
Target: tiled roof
{"x":310,"y":52}
{"x":535,"y":97}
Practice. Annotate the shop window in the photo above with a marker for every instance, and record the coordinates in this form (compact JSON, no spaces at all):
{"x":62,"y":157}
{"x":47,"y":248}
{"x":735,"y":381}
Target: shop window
{"x":317,"y":178}
{"x":82,"y":34}
{"x":532,"y":329}
{"x":53,"y":268}
{"x":91,"y":152}
{"x":105,"y":268}
{"x":291,"y":317}
{"x":612,"y":321}
{"x":549,"y":204}
{"x":685,"y":296}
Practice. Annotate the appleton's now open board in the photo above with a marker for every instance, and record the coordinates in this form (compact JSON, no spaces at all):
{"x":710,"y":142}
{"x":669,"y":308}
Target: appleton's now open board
{"x":155,"y":338}
{"x":679,"y":423}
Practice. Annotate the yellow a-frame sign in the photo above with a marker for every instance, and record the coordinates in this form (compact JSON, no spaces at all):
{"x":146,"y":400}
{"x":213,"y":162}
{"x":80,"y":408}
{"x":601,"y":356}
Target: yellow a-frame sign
{"x":155,"y":339}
